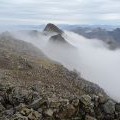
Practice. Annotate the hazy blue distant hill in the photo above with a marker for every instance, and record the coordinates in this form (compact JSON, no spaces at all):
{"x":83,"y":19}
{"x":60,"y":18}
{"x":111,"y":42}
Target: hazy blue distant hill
{"x":70,"y":27}
{"x":109,"y":35}
{"x":62,"y":26}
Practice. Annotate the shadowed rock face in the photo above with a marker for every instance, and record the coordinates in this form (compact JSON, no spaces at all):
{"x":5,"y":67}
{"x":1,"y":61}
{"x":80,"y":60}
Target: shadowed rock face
{"x":52,"y":28}
{"x":58,"y":38}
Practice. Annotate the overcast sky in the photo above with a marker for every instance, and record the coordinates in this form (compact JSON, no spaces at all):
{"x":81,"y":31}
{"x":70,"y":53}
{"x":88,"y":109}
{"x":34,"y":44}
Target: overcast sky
{"x":60,"y":11}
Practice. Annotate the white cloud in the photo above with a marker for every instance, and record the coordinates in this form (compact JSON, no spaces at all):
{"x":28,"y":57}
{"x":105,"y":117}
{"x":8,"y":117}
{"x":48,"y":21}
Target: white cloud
{"x":61,"y":11}
{"x":110,"y":16}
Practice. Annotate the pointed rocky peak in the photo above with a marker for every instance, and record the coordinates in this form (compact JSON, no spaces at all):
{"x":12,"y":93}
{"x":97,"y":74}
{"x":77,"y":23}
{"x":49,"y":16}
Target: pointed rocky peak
{"x":52,"y":28}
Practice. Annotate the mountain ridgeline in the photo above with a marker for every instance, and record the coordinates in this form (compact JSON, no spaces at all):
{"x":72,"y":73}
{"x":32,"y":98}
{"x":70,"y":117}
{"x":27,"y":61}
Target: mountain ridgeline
{"x":111,"y":37}
{"x":34,"y":87}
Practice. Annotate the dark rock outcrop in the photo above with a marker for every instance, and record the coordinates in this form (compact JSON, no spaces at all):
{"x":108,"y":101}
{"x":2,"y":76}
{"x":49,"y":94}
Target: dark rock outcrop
{"x":52,"y":28}
{"x":58,"y":38}
{"x":84,"y":107}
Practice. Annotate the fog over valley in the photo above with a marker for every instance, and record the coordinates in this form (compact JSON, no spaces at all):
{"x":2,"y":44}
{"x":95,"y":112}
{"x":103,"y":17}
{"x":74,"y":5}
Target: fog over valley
{"x":92,"y":58}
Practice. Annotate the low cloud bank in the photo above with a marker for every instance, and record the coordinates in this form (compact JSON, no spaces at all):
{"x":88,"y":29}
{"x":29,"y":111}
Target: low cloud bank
{"x":91,"y":58}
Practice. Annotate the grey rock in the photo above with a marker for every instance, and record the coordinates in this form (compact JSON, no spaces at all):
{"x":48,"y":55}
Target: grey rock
{"x":86,"y":100}
{"x":25,"y":111}
{"x":109,"y":107}
{"x":1,"y":108}
{"x":34,"y":116}
{"x":18,"y":116}
{"x":117,"y":107}
{"x":75,"y":102}
{"x":38,"y":103}
{"x":52,"y":28}
{"x":102,"y":99}
{"x":48,"y":112}
{"x":1,"y":99}
{"x":9,"y":112}
{"x":67,"y":112}
{"x":4,"y":118}
{"x":89,"y":118}
{"x":20,"y":107}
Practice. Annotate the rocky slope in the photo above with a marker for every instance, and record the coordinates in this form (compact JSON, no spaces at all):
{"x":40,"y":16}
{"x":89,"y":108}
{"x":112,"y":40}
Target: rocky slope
{"x":21,"y":103}
{"x":33,"y":87}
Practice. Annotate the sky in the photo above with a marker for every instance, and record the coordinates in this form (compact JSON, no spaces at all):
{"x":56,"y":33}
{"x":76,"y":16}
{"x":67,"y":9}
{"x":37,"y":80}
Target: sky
{"x":29,"y":12}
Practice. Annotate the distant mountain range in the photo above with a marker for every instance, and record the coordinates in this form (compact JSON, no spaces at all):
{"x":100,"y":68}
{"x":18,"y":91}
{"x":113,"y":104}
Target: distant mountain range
{"x":111,"y":37}
{"x":62,"y":26}
{"x":107,"y":33}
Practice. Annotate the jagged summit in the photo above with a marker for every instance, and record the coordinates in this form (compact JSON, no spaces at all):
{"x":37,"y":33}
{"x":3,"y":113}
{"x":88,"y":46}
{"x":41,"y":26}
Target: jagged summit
{"x":52,"y":28}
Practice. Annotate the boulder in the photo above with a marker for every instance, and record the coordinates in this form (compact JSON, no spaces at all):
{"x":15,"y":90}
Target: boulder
{"x":34,"y":116}
{"x":55,"y":104}
{"x":39,"y":103}
{"x":87,"y":117}
{"x":109,"y":107}
{"x":25,"y":111}
{"x":1,"y":108}
{"x":75,"y":102}
{"x":18,"y":116}
{"x":4,"y":118}
{"x":117,"y":107}
{"x":87,"y":105}
{"x":30,"y":114}
{"x":102,"y":99}
{"x":66,"y":112}
{"x":86,"y":100}
{"x":48,"y":113}
{"x":9,"y":112}
{"x":20,"y":107}
{"x":1,"y":99}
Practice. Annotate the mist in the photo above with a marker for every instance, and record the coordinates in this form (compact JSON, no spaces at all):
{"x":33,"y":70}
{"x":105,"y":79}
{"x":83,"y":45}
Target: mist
{"x":90,"y":57}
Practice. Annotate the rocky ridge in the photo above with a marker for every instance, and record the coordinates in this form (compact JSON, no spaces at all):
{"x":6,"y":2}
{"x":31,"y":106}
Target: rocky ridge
{"x":19,"y":103}
{"x":33,"y":87}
